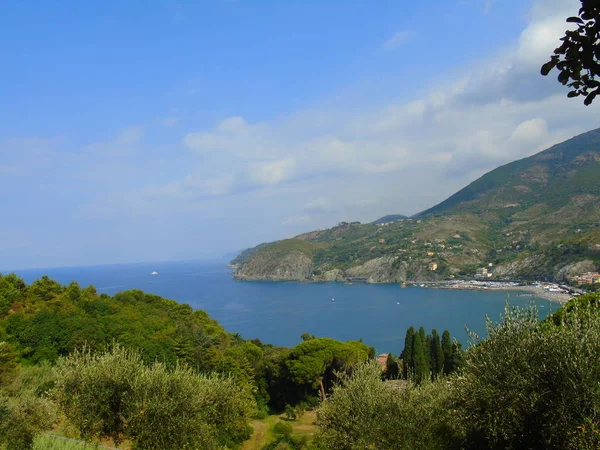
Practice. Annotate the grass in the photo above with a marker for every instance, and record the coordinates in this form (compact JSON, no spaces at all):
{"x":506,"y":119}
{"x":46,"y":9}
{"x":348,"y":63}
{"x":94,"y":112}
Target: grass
{"x":263,"y":429}
{"x":52,"y":442}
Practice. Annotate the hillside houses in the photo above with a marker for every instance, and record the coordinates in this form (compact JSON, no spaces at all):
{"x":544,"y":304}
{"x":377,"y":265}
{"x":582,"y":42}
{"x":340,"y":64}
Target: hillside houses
{"x":586,"y":278}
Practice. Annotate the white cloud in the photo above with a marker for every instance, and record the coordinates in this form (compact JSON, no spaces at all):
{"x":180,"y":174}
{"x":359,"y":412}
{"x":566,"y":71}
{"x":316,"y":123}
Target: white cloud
{"x":398,"y":39}
{"x":391,"y":157}
{"x":533,"y":130}
{"x":273,"y":172}
{"x":319,"y":204}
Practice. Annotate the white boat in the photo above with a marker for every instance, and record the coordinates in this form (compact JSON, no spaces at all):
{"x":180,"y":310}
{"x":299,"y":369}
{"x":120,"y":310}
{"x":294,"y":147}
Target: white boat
{"x":333,"y":299}
{"x":154,"y":273}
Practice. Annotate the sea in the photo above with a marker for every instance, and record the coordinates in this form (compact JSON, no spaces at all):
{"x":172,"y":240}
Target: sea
{"x":279,"y":312}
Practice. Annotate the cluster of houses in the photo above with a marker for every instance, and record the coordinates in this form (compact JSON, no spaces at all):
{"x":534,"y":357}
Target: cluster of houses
{"x":484,"y":272}
{"x":586,"y":278}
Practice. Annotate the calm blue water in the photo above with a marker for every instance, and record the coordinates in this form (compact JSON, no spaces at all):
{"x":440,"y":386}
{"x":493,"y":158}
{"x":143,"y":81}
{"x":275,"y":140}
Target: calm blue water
{"x":279,"y":313}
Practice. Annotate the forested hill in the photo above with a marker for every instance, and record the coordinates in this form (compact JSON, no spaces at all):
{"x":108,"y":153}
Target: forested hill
{"x":536,"y":218}
{"x":45,"y":321}
{"x":552,"y":178}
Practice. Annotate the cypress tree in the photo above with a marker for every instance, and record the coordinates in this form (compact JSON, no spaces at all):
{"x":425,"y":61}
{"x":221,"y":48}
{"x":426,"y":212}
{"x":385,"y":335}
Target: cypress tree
{"x":421,"y":371}
{"x":391,"y":367}
{"x":422,"y":334}
{"x":457,"y":360}
{"x":407,"y":354}
{"x":437,"y":354}
{"x":447,"y":350}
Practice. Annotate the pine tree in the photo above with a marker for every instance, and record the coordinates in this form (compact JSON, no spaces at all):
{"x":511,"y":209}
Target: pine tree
{"x":447,"y":350}
{"x":437,"y":354}
{"x":407,"y":354}
{"x":421,"y":369}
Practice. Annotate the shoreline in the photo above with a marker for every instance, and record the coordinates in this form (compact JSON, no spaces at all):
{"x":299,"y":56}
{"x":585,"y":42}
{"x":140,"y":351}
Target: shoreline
{"x":532,"y":290}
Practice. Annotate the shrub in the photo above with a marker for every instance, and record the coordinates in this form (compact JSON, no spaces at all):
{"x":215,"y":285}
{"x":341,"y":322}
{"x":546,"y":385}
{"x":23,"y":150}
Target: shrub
{"x":115,"y":395}
{"x":533,"y":385}
{"x":22,"y":418}
{"x":365,"y":412}
{"x":283,"y":428}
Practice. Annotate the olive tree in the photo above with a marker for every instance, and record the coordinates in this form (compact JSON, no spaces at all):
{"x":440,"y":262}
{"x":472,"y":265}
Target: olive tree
{"x":22,"y":418}
{"x":364,"y":412}
{"x":533,"y":385}
{"x":114,"y":395}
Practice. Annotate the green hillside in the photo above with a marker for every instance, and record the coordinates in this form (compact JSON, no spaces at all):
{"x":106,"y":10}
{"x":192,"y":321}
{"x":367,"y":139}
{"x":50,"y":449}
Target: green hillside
{"x":533,"y":218}
{"x":552,"y":178}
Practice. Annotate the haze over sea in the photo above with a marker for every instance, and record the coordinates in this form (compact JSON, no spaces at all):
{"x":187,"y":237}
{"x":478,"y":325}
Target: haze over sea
{"x":278,"y":313}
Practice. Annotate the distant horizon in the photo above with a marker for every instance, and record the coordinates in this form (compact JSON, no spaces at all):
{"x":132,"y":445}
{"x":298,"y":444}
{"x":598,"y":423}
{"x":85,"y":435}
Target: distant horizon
{"x":23,"y":269}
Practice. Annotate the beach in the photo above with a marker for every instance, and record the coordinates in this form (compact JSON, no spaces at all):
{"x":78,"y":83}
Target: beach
{"x":557,"y":294}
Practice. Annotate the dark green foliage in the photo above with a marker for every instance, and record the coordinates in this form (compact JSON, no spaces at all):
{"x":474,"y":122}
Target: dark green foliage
{"x":314,"y":362}
{"x":436,"y":355}
{"x":22,"y":418}
{"x":50,"y":320}
{"x":45,"y":289}
{"x":578,"y":57}
{"x":407,"y":355}
{"x":283,"y":428}
{"x":392,"y":370}
{"x":447,"y":350}
{"x":307,"y":337}
{"x":12,"y":289}
{"x":8,"y":361}
{"x":457,"y":358}
{"x":421,"y":366}
{"x":533,"y":385}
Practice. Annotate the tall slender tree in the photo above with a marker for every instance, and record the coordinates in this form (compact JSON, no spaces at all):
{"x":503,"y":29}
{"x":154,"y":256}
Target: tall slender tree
{"x":421,"y":369}
{"x":437,"y":354}
{"x":447,"y":350}
{"x":408,"y":354}
{"x":391,"y":368}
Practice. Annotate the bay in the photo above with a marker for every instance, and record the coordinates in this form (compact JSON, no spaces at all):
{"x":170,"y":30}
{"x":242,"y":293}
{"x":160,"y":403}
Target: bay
{"x":278,"y":313}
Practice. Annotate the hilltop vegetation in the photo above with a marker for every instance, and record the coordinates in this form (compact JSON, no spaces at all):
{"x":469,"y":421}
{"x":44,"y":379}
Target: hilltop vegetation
{"x":528,"y":385}
{"x":533,"y":218}
{"x":68,"y":340}
{"x":140,"y":371}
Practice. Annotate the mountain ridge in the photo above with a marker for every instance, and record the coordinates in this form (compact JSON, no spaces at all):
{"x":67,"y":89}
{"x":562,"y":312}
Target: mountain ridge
{"x":537,"y":217}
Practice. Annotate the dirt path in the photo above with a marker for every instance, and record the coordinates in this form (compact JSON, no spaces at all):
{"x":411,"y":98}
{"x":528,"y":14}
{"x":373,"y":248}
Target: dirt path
{"x":257,"y":440}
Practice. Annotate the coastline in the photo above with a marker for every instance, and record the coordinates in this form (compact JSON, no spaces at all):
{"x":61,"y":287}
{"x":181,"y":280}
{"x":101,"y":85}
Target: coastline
{"x":531,"y":290}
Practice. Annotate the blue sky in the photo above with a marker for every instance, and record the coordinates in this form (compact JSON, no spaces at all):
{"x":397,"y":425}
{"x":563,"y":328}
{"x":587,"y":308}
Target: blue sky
{"x":145,"y":131}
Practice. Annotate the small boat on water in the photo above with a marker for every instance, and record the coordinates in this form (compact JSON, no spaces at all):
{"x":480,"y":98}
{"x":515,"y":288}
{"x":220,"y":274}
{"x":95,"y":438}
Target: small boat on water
{"x":154,"y":273}
{"x":332,"y":299}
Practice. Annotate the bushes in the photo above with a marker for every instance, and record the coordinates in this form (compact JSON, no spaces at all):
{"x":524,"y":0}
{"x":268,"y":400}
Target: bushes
{"x":533,"y":385}
{"x":364,"y":412}
{"x":22,"y":418}
{"x":115,"y":395}
{"x":528,"y":385}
